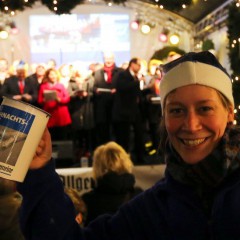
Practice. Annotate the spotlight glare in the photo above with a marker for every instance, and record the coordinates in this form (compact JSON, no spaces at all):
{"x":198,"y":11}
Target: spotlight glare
{"x":135,"y":25}
{"x":3,"y":34}
{"x":145,"y":29}
{"x":163,"y":37}
{"x":174,"y":39}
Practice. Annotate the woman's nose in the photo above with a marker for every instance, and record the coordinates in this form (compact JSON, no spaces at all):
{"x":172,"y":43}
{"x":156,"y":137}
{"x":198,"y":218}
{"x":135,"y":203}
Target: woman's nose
{"x":192,"y":122}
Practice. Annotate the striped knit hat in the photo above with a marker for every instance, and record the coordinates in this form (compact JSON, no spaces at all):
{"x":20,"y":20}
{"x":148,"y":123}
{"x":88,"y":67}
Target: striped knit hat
{"x":196,"y":68}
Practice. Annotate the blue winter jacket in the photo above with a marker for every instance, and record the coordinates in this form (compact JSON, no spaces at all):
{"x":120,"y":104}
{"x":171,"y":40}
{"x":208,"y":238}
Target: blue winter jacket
{"x":167,"y":211}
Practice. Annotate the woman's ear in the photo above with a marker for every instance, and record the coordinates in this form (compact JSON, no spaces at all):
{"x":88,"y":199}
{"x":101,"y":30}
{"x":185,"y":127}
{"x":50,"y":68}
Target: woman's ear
{"x":231,"y":114}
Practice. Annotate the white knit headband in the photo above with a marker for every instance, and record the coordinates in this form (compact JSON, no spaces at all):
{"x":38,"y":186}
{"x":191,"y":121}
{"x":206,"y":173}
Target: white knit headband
{"x":188,"y":73}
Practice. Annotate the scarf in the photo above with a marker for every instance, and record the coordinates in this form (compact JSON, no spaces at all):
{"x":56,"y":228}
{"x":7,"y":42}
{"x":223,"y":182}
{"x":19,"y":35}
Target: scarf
{"x":209,"y":173}
{"x":108,"y":71}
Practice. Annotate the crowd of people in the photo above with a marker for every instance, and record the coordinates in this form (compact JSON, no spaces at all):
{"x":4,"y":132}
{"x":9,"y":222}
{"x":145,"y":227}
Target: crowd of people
{"x":108,"y":103}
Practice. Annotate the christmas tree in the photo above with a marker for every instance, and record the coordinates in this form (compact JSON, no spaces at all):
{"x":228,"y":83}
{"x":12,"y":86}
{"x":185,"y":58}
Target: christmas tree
{"x":234,"y":53}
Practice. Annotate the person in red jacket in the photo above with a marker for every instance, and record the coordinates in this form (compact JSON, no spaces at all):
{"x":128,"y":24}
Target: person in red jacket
{"x":54,"y":99}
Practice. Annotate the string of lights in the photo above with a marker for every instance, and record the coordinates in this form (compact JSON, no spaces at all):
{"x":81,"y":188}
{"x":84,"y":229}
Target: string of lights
{"x":172,"y":5}
{"x":65,"y":6}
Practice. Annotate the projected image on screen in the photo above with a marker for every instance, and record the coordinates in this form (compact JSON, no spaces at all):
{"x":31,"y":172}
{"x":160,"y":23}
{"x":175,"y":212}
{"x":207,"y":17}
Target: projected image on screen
{"x":79,"y":37}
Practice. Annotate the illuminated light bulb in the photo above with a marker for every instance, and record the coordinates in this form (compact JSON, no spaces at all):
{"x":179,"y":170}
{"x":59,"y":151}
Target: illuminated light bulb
{"x":234,"y":41}
{"x":12,"y":13}
{"x":145,"y":29}
{"x":233,"y":46}
{"x":238,"y":106}
{"x":161,"y":6}
{"x":236,"y":78}
{"x":235,"y":122}
{"x":55,"y":2}
{"x":135,"y":25}
{"x":184,"y":6}
{"x":3,"y":34}
{"x":162,"y":37}
{"x":174,"y":39}
{"x":235,"y":111}
{"x":198,"y":46}
{"x":6,"y":8}
{"x":55,"y":8}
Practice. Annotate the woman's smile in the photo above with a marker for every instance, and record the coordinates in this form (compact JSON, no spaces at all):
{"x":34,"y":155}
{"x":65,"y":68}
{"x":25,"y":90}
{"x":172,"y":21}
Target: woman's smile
{"x":192,"y":142}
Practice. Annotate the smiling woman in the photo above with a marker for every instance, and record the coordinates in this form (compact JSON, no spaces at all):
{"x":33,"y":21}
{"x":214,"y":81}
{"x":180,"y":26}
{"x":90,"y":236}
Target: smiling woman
{"x":198,"y":115}
{"x":200,"y":94}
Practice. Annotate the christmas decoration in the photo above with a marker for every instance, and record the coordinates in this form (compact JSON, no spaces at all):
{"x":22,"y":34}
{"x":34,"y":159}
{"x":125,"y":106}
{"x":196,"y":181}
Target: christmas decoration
{"x":207,"y":44}
{"x":65,"y":6}
{"x":61,"y":6}
{"x":116,"y":1}
{"x":172,"y":5}
{"x":234,"y":53}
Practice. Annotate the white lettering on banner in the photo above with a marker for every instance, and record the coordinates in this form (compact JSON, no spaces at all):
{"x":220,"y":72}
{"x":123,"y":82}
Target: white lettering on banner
{"x":13,"y":118}
{"x":81,"y":178}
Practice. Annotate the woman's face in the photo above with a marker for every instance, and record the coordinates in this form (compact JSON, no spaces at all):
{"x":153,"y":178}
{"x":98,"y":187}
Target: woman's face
{"x":52,"y":77}
{"x":195,"y":120}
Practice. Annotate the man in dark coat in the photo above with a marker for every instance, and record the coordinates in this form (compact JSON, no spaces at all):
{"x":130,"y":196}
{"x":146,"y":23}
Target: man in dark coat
{"x":126,"y":110}
{"x":103,"y":98}
{"x":18,"y":88}
{"x":37,"y":78}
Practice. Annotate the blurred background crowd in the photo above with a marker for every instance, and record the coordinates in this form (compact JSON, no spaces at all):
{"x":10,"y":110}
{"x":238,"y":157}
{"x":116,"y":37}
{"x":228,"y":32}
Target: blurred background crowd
{"x":104,"y":103}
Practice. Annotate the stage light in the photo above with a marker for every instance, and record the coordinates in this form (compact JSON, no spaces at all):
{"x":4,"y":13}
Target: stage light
{"x":145,"y":28}
{"x":3,"y":34}
{"x":174,"y":39}
{"x":135,"y":25}
{"x":163,"y":37}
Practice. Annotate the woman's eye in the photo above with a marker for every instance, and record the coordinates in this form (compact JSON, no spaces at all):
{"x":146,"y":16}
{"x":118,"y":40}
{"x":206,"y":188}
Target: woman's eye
{"x":205,"y":108}
{"x":176,"y":111}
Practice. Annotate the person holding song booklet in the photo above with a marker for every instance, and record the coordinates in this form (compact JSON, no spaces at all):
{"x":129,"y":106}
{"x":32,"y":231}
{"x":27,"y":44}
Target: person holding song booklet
{"x":53,"y":98}
{"x":199,"y":196}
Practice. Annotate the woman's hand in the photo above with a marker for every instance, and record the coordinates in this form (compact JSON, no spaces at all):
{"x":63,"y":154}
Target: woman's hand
{"x":43,"y":152}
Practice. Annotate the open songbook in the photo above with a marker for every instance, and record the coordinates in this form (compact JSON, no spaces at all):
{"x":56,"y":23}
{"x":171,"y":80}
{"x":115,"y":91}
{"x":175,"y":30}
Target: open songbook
{"x":50,"y":95}
{"x":104,"y":90}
